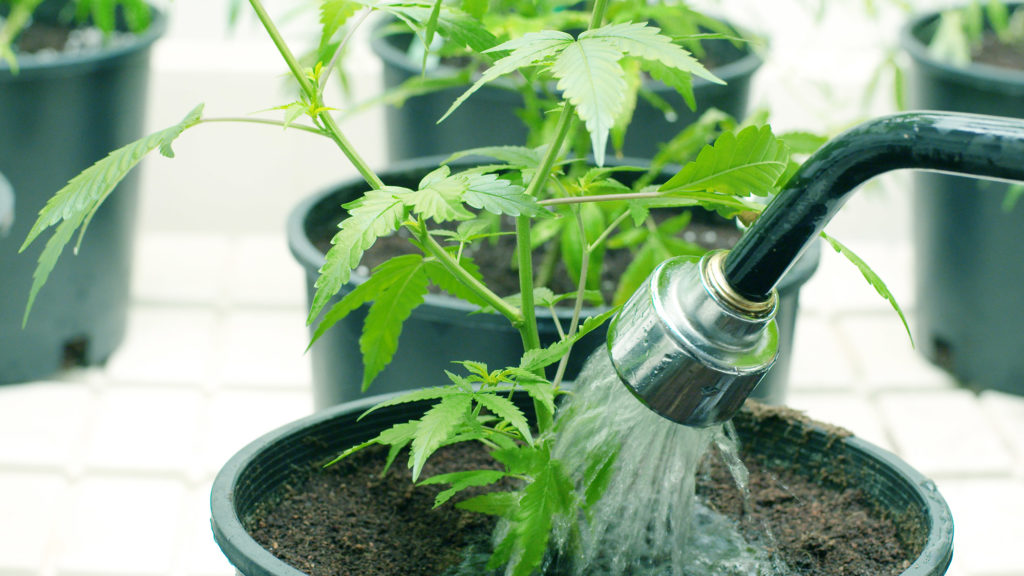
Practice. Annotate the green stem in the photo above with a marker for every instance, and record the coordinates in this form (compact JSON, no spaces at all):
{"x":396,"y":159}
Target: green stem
{"x":265,"y":122}
{"x":597,"y":16}
{"x":578,"y":304}
{"x":311,"y":92}
{"x":514,"y":315}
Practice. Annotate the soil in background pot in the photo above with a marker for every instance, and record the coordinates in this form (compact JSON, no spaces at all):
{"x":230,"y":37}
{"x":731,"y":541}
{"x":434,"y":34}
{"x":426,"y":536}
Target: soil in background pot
{"x":347,"y":519}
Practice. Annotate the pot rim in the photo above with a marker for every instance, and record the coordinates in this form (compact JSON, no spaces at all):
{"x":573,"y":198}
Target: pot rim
{"x":995,"y":78}
{"x":310,"y":257}
{"x":251,"y":559}
{"x":35,"y":65}
{"x":743,"y":66}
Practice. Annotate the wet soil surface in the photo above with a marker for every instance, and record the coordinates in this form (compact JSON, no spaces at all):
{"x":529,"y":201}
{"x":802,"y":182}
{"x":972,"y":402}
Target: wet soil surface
{"x":349,"y":520}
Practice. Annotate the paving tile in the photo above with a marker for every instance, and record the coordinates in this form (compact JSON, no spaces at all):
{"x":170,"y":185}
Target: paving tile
{"x":146,"y":429}
{"x":167,"y":345}
{"x":234,"y":418}
{"x":30,"y":508}
{"x":122,"y":526}
{"x":42,"y":424}
{"x":988,"y":519}
{"x":266,"y":348}
{"x":200,"y":555}
{"x":262,"y":271}
{"x":847,"y":410}
{"x":819,"y":360}
{"x":883,"y":356}
{"x":179,"y":268}
{"x":839,"y":286}
{"x":1007,"y":413}
{"x":945,"y":433}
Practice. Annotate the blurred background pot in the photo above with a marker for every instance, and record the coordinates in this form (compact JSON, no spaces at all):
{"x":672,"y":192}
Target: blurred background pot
{"x":58,"y":114}
{"x":969,"y":267}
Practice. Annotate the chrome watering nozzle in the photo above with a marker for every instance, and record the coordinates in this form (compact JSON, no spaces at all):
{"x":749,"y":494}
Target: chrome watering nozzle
{"x":688,"y":346}
{"x":696,"y":338}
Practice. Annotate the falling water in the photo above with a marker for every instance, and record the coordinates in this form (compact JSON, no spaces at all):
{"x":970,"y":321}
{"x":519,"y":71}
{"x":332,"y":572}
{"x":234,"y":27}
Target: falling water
{"x":648,"y":522}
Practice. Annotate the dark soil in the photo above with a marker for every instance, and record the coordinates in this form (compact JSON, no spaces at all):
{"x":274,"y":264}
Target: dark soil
{"x":348,"y":520}
{"x":38,"y":37}
{"x":995,"y":53}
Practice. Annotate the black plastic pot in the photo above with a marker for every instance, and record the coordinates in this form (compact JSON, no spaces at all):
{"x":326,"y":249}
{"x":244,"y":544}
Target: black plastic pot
{"x":489,"y":117}
{"x":969,"y":266}
{"x":58,"y":115}
{"x":444,"y":329}
{"x":263,"y":468}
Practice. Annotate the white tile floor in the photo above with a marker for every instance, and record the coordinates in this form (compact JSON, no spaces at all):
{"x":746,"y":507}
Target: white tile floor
{"x":106,"y":471}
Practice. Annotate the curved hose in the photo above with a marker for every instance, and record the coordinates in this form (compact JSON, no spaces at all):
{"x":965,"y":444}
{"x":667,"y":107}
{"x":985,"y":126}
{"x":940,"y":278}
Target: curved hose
{"x":967,"y":144}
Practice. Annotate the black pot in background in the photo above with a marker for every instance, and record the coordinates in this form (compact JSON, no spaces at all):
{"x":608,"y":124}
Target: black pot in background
{"x":59,"y":115}
{"x":264,"y":467}
{"x":969,"y":264}
{"x":488,"y":118}
{"x":443,"y":329}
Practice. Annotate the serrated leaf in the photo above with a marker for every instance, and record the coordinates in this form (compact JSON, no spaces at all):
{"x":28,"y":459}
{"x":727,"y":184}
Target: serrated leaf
{"x":872,"y":279}
{"x":439,"y":196}
{"x":646,"y":42}
{"x":333,"y":16}
{"x":397,"y":437}
{"x":377,"y":213}
{"x":436,"y":427}
{"x":506,"y":410}
{"x":539,"y":358}
{"x":416,"y":395}
{"x":599,"y":472}
{"x":74,"y":205}
{"x":383,"y":324}
{"x":750,"y":162}
{"x":638,"y":269}
{"x":444,"y":279}
{"x":592,"y":80}
{"x":502,"y":504}
{"x":526,"y":50}
{"x":498,"y":196}
{"x":455,"y":25}
{"x":548,"y":496}
{"x":460,"y":481}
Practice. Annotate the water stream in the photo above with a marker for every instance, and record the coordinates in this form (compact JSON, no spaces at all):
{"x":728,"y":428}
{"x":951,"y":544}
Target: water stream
{"x":649,"y":522}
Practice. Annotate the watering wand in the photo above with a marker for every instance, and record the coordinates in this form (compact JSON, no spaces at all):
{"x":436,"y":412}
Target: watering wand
{"x":696,"y":338}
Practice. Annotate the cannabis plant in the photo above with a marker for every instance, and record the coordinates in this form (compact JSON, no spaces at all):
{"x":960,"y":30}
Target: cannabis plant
{"x":449,"y":210}
{"x":17,"y":15}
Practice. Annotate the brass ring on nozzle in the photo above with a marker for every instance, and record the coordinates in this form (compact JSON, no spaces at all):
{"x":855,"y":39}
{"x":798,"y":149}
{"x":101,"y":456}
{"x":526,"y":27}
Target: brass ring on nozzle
{"x":721,"y":290}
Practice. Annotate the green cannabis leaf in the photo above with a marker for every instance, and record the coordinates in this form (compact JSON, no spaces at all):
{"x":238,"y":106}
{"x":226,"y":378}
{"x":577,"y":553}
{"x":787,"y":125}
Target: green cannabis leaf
{"x":737,"y":164}
{"x":589,"y":70}
{"x":872,"y":279}
{"x":375,"y":214}
{"x":401,"y":290}
{"x":73,"y":206}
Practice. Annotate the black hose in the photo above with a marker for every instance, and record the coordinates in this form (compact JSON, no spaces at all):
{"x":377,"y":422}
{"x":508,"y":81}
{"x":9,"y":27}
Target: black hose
{"x":967,"y":144}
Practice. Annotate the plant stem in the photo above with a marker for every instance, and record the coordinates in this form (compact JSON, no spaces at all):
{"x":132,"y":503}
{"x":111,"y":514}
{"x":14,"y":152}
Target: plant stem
{"x":264,"y":121}
{"x":578,"y":304}
{"x":514,"y":315}
{"x":311,"y":92}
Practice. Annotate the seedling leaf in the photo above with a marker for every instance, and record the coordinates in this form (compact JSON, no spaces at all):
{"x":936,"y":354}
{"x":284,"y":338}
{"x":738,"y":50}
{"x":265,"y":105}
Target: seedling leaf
{"x":436,"y":427}
{"x":872,"y":279}
{"x":383,"y":324}
{"x":506,"y":410}
{"x":750,"y":162}
{"x":460,"y":481}
{"x":74,"y":205}
{"x":377,"y":213}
